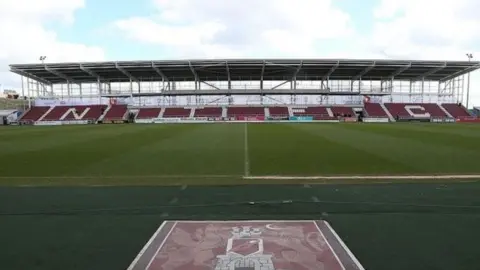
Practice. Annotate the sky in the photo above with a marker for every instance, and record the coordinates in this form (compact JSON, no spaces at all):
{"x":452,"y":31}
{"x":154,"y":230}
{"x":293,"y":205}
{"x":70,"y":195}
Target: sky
{"x":97,"y":30}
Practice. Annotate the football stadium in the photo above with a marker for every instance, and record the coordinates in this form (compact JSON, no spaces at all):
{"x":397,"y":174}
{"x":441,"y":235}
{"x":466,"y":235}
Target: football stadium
{"x":241,"y":164}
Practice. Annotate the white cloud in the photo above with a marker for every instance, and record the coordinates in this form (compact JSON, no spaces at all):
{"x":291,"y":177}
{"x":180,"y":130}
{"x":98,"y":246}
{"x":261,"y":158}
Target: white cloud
{"x":25,"y":37}
{"x":429,"y":29}
{"x":234,"y":28}
{"x":405,"y":29}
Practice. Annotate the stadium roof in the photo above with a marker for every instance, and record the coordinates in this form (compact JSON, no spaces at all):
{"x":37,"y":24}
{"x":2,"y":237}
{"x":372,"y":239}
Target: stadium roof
{"x":245,"y":70}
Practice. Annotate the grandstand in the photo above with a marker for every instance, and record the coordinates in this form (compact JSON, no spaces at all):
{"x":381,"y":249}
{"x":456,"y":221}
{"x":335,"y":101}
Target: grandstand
{"x":96,"y":193}
{"x":273,"y":89}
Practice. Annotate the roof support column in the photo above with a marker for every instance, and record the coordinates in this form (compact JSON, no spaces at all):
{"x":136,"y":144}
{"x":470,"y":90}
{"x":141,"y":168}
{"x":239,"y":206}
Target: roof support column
{"x":326,"y":77}
{"x":197,"y":81}
{"x":261,"y":75}
{"x":439,"y":90}
{"x":28,"y":93}
{"x":99,"y":85}
{"x":23,"y":93}
{"x":69,"y":91}
{"x":423,"y":87}
{"x":452,"y":85}
{"x":228,"y":76}
{"x":410,"y":90}
{"x":159,"y":72}
{"x":294,"y":77}
{"x":81,"y":91}
{"x":359,"y":76}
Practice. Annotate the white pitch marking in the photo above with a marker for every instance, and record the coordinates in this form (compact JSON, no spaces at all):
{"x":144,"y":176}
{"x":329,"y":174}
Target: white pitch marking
{"x":161,"y":245}
{"x":147,"y":245}
{"x":328,"y":244}
{"x":245,"y":146}
{"x":349,"y":252}
{"x":363,"y":177}
{"x":124,"y":176}
{"x":315,"y":199}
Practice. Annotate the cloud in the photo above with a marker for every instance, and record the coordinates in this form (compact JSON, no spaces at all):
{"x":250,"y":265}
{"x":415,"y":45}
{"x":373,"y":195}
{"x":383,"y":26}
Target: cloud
{"x":428,"y":29}
{"x":25,"y":36}
{"x":234,"y":28}
{"x":422,"y":29}
{"x":402,"y":29}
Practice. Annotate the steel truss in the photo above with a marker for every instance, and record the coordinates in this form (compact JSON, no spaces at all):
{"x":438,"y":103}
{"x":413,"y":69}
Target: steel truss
{"x":263,"y":82}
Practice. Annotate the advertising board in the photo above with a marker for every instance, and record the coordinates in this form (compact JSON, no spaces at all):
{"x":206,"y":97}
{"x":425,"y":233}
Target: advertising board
{"x":350,"y":119}
{"x":375,"y":120}
{"x":250,"y":118}
{"x":412,"y":119}
{"x":165,"y":120}
{"x":113,"y":122}
{"x":277,"y":118}
{"x":442,"y":120}
{"x":48,"y":123}
{"x":301,"y":118}
{"x":59,"y":123}
{"x":468,"y":120}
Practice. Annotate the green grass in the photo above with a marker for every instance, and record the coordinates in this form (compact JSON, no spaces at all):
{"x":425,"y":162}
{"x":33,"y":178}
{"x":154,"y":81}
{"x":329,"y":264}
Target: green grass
{"x":166,"y":154}
{"x":62,"y":222}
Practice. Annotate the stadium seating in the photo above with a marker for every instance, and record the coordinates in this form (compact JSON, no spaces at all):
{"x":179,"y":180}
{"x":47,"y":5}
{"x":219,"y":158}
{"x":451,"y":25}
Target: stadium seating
{"x":343,"y":111}
{"x":415,"y":110}
{"x":246,"y":112}
{"x":91,"y":112}
{"x":56,"y":113}
{"x":176,"y":113}
{"x":279,"y":111}
{"x":34,"y":114}
{"x":208,"y":112}
{"x":375,"y":110}
{"x":116,"y":113}
{"x":148,"y":113}
{"x":456,"y":110}
{"x":318,"y":113}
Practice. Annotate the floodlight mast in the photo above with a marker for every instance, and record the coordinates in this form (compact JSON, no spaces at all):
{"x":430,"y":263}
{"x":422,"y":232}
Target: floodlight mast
{"x":42,"y":58}
{"x":470,"y":57}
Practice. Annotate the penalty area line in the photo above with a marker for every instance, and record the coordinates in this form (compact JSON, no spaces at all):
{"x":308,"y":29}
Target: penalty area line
{"x":364,"y":177}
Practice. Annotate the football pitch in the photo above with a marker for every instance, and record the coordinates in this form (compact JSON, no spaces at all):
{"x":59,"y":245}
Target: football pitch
{"x":232,"y":153}
{"x":401,"y":196}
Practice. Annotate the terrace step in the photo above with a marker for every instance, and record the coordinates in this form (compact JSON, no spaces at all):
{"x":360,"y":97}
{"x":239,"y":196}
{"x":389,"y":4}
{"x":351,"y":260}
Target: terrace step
{"x":444,"y":110}
{"x":45,"y":114}
{"x":162,"y":111}
{"x":390,"y":116}
{"x":104,"y":113}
